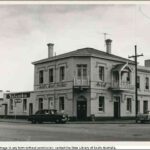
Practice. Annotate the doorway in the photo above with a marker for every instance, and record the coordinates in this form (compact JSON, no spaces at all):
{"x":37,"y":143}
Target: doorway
{"x":81,"y":110}
{"x":6,"y":110}
{"x":30,"y":108}
{"x":117,"y":107}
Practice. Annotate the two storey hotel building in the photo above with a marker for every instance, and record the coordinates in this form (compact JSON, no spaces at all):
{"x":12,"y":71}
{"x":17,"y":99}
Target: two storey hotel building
{"x":85,"y":83}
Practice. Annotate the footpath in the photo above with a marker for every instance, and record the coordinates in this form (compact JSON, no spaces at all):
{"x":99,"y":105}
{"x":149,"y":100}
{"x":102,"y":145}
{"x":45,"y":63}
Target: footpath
{"x":75,"y":122}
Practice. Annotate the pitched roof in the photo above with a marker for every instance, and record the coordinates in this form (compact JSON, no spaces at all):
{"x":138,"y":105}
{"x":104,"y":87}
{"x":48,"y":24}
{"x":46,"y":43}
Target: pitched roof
{"x":86,"y":52}
{"x":120,"y":67}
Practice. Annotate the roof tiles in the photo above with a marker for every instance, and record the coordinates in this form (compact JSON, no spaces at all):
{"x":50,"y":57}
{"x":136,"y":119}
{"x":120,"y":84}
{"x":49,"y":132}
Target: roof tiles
{"x":85,"y":52}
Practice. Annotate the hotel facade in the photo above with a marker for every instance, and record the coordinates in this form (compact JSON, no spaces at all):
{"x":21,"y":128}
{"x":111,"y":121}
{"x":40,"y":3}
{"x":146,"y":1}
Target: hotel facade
{"x":85,"y":83}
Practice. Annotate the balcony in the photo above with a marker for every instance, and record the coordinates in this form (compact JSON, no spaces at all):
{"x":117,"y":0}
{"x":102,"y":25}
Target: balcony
{"x":122,"y":86}
{"x":84,"y":82}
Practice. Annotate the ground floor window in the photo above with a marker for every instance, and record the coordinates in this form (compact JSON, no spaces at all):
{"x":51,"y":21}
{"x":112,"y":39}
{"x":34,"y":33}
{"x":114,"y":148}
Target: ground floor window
{"x":40,"y":103}
{"x":129,"y":104}
{"x":138,"y":104}
{"x":145,"y":107}
{"x":61,"y":103}
{"x":101,"y":103}
{"x":30,"y":109}
{"x":11,"y":104}
{"x":50,"y":103}
{"x":24,"y":105}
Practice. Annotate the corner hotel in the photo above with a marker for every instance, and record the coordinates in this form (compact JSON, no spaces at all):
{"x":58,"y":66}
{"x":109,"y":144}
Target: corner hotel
{"x":83,"y":83}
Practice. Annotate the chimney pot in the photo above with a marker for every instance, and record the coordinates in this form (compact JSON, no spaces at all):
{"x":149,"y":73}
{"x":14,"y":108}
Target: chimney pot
{"x":50,"y":50}
{"x":108,"y":45}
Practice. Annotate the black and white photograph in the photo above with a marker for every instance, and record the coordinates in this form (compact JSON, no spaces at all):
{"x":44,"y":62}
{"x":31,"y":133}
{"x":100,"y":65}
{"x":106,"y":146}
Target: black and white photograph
{"x":75,"y":72}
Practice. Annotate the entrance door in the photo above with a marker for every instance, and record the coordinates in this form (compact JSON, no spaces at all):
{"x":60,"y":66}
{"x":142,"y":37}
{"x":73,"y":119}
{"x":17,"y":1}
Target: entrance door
{"x":30,"y":109}
{"x":117,"y":108}
{"x":5,"y":111}
{"x":145,"y":107}
{"x":81,"y":110}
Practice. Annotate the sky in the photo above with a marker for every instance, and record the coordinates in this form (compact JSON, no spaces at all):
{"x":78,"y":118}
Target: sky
{"x":26,"y":29}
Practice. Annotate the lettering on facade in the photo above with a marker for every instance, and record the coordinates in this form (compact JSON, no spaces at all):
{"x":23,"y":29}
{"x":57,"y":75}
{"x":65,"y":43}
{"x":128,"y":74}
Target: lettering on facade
{"x":18,"y":95}
{"x":61,"y":84}
{"x":47,"y":86}
{"x":101,"y":84}
{"x":17,"y":100}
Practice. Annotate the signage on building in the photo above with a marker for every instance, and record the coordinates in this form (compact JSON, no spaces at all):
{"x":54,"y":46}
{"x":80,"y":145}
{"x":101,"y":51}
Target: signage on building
{"x":17,"y":95}
{"x":47,"y":86}
{"x":101,"y":84}
{"x":17,"y":100}
{"x":61,"y":84}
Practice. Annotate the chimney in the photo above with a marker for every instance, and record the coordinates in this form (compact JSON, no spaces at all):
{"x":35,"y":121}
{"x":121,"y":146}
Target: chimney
{"x":50,"y":50}
{"x":108,"y":46}
{"x":147,"y":63}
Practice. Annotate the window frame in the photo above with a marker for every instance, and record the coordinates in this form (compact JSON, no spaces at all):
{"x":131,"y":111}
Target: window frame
{"x":128,"y":77}
{"x":101,"y":73}
{"x":51,"y":75}
{"x":129,"y":104}
{"x":61,"y":104}
{"x":11,"y":105}
{"x":138,"y":82}
{"x":147,"y":83}
{"x":61,"y":73}
{"x":41,"y":76}
{"x":24,"y":105}
{"x":101,"y":108}
{"x":138,"y":104}
{"x":40,"y":104}
{"x":145,"y":102}
{"x":50,"y":101}
{"x":82,"y":71}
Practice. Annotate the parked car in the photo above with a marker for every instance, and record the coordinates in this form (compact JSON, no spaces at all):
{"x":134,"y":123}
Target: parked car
{"x":48,"y":116}
{"x":142,"y":118}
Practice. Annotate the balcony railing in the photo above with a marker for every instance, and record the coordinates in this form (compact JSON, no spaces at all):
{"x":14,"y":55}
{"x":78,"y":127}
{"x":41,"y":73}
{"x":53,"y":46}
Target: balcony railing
{"x":122,"y":85}
{"x":81,"y":82}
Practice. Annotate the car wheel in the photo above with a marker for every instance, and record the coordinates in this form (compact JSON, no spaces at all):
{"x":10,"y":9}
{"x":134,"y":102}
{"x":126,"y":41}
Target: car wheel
{"x":40,"y":122}
{"x":33,"y":121}
{"x":57,"y":121}
{"x":142,"y":121}
{"x":138,"y":121}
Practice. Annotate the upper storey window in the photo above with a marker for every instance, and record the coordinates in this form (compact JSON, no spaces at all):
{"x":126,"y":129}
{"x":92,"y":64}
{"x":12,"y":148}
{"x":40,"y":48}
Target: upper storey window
{"x":101,"y":73}
{"x":128,"y":77}
{"x":82,"y":71}
{"x":51,"y":75}
{"x":41,"y":76}
{"x":147,"y":83}
{"x":62,"y":73}
{"x":138,"y":82}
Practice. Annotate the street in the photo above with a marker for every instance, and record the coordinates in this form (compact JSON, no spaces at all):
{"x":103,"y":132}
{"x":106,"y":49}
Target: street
{"x":73,"y":132}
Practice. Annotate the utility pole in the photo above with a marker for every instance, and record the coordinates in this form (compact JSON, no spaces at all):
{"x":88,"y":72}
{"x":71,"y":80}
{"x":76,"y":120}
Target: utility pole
{"x":136,"y":90}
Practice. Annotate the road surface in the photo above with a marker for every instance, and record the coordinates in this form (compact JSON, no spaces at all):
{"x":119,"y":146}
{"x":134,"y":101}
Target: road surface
{"x":73,"y":132}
